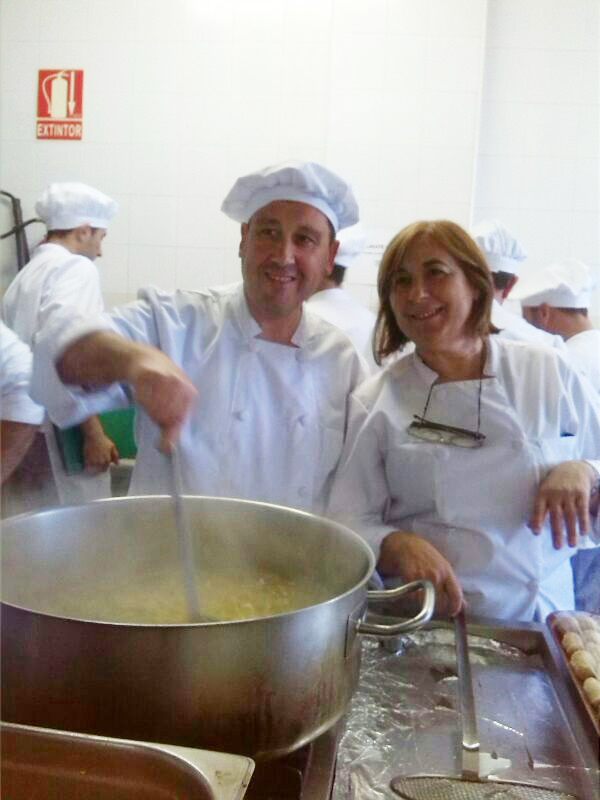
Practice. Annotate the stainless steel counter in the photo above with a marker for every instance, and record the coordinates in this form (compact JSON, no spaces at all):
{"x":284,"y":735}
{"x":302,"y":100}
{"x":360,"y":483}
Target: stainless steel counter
{"x":404,"y":717}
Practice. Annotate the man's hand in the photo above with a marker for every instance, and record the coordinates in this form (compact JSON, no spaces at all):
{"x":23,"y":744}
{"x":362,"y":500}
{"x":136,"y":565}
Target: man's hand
{"x":99,"y":452}
{"x":564,"y":495}
{"x":411,"y":557}
{"x":164,"y":391}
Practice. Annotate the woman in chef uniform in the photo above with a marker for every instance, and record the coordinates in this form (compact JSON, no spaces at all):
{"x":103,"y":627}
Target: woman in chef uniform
{"x":465,"y":461}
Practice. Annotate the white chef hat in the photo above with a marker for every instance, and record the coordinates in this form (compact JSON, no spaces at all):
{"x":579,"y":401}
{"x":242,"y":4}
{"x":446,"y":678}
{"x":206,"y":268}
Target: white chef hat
{"x":564,"y":284}
{"x":502,"y":251}
{"x":64,"y":206}
{"x":353,"y":241}
{"x":302,"y":181}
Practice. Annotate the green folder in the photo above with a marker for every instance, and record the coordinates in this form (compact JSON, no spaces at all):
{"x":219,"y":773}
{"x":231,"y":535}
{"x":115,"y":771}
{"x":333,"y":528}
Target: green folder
{"x":118,"y":426}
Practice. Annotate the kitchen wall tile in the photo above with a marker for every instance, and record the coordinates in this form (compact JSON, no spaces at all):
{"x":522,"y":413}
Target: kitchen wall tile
{"x":402,"y":119}
{"x":555,"y":76}
{"x":592,"y":30}
{"x":546,"y":235}
{"x":357,"y":62}
{"x":258,"y":22}
{"x":205,"y":68}
{"x":153,"y":221}
{"x":17,"y":123}
{"x":207,"y":21}
{"x":453,"y":64}
{"x":587,"y":185}
{"x":156,"y":66}
{"x":63,"y":21}
{"x":499,"y":181}
{"x":450,"y":119}
{"x":351,"y":17}
{"x":457,"y":212}
{"x":156,"y":118}
{"x":107,"y":117}
{"x":18,"y":167}
{"x":303,"y":121}
{"x":101,"y":21}
{"x":119,"y":229}
{"x":200,"y":223}
{"x":585,"y":242}
{"x":159,"y":21}
{"x":201,"y":267}
{"x":108,"y":166}
{"x":359,"y":165}
{"x":446,"y":175}
{"x":588,"y":134}
{"x":557,"y":26}
{"x":501,"y":129}
{"x":200,"y":171}
{"x":113,"y":267}
{"x":550,"y":129}
{"x":356,"y":117}
{"x":154,"y":169}
{"x":405,"y":63}
{"x":19,"y":21}
{"x":302,"y":75}
{"x":308,"y":21}
{"x":398,"y":174}
{"x":58,"y":161}
{"x":256,"y":68}
{"x":22,"y":76}
{"x":258,"y":115}
{"x":506,"y":74}
{"x":548,"y":183}
{"x":509,"y":22}
{"x":458,"y":18}
{"x":206,"y":120}
{"x":408,"y":17}
{"x":152,"y":266}
{"x":113,"y":75}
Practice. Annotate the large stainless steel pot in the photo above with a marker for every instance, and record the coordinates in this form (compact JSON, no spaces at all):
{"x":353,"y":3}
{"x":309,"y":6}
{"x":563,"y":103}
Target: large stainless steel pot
{"x":260,"y":687}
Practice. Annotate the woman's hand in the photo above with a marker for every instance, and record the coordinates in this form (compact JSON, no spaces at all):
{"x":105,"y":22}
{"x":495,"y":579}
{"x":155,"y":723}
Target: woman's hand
{"x":564,"y":495}
{"x":411,"y":557}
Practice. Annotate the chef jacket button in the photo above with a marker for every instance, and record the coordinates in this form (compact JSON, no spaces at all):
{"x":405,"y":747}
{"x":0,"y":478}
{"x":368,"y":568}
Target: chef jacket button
{"x":302,"y":491}
{"x":240,"y":415}
{"x":302,"y":420}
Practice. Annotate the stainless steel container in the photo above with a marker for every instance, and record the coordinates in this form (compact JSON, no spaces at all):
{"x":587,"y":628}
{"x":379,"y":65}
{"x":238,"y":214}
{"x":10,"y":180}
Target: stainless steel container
{"x":260,"y":687}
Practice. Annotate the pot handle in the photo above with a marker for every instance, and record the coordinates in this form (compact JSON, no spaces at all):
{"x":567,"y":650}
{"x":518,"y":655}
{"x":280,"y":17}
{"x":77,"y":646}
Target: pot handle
{"x":393,"y":629}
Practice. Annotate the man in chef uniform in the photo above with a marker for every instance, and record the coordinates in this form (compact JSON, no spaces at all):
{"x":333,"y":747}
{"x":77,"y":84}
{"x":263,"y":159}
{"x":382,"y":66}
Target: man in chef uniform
{"x":333,"y":303}
{"x":556,"y":299}
{"x":504,"y":255}
{"x":62,"y":276}
{"x":248,"y":382}
{"x":20,"y":416}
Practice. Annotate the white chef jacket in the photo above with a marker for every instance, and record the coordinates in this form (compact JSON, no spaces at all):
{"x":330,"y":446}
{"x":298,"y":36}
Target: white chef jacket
{"x":270,"y":419}
{"x":513,"y":326}
{"x":56,"y":279}
{"x":584,"y":354}
{"x":15,"y":372}
{"x":339,"y":307}
{"x":472,"y":504}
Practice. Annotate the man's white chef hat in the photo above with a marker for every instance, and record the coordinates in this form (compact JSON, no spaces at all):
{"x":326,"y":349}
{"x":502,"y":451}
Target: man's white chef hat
{"x":353,"y":241}
{"x":564,"y":284}
{"x":502,"y":251}
{"x":64,"y":206}
{"x":302,"y":181}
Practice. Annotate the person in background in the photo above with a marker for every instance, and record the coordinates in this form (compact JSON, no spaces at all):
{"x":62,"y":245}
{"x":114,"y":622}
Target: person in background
{"x":333,"y":303}
{"x":467,"y":461}
{"x":556,"y":299}
{"x":20,"y":416}
{"x":504,"y":255}
{"x":62,"y":276}
{"x":252,"y":386}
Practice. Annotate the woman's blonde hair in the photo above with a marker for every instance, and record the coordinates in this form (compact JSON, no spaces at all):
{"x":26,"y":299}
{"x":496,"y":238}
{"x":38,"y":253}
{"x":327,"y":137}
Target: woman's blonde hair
{"x":456,"y":241}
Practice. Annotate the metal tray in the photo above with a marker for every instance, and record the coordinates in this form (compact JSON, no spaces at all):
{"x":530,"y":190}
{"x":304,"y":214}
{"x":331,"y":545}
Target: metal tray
{"x":404,"y":718}
{"x":46,"y":764}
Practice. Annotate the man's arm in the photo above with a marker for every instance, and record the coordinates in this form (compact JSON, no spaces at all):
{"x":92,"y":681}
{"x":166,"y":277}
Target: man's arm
{"x":159,"y":386}
{"x":15,"y":441}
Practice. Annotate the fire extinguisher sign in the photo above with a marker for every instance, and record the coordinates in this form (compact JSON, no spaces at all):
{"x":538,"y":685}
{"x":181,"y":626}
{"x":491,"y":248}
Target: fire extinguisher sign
{"x":60,"y":101}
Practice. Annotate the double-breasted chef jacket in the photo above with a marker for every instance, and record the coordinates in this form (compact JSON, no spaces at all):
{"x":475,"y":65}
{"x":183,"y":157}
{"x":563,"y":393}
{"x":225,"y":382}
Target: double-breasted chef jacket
{"x":270,"y":419}
{"x":57,"y":280}
{"x":472,"y":504}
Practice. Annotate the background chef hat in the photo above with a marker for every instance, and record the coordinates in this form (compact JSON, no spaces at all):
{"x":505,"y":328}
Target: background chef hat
{"x":305,"y":182}
{"x":64,"y":206}
{"x":353,"y":241}
{"x":565,"y":284}
{"x":502,"y":251}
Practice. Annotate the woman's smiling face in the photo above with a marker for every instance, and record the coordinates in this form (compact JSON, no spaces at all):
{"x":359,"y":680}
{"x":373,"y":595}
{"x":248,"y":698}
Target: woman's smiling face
{"x":431,"y":297}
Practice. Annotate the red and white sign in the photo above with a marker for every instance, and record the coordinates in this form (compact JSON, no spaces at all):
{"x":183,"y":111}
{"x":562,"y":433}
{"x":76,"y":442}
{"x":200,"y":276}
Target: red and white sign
{"x":60,"y":104}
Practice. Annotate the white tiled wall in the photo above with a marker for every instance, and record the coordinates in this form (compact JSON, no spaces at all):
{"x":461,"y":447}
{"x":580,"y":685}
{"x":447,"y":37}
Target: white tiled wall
{"x":538,"y":154}
{"x":181,"y":97}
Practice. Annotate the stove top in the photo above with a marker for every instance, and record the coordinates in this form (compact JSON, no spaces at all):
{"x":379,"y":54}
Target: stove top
{"x":305,"y":774}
